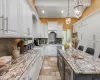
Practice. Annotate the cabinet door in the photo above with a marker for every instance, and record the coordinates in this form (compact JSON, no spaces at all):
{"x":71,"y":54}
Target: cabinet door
{"x":52,"y":25}
{"x":1,"y":18}
{"x":59,"y":30}
{"x":38,"y":30}
{"x":32,"y":73}
{"x":52,"y":50}
{"x":24,"y":76}
{"x":20,"y":28}
{"x":24,"y":18}
{"x":46,"y":31}
{"x":11,"y":17}
{"x":42,"y":30}
{"x":29,"y":21}
{"x":46,"y":50}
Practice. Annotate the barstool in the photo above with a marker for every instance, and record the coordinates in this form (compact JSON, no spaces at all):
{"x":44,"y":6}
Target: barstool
{"x":80,"y":48}
{"x":90,"y":51}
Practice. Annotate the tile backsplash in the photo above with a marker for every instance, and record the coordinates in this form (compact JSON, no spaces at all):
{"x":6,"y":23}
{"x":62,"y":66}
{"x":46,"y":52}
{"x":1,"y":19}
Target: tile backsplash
{"x":6,"y":46}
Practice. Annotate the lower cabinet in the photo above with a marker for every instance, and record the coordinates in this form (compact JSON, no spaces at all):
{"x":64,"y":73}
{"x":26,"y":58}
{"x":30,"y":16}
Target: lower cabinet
{"x":24,"y":76}
{"x":33,"y":70}
{"x":67,"y":73}
{"x":61,"y":65}
{"x":51,"y":50}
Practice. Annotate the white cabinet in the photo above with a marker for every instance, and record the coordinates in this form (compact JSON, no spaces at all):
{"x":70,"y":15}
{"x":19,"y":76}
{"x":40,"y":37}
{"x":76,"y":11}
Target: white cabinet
{"x":24,"y":76}
{"x":52,"y":25}
{"x":15,"y":19}
{"x":46,"y":31}
{"x":25,"y":19}
{"x":10,"y":17}
{"x":51,"y":50}
{"x":34,"y":68}
{"x":29,"y":21}
{"x":1,"y":17}
{"x":76,"y":27}
{"x":46,"y":50}
{"x":38,"y":30}
{"x":32,"y":71}
{"x":41,"y":30}
{"x":59,"y":30}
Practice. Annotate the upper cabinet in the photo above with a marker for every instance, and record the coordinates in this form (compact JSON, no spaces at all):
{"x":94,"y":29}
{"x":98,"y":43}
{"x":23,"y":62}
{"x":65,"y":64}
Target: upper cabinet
{"x":59,"y":30}
{"x":77,"y":26}
{"x":10,"y":17}
{"x":26,"y":19}
{"x":36,"y":28}
{"x":16,"y":18}
{"x":1,"y":17}
{"x":40,"y":29}
{"x":52,"y":25}
{"x":46,"y":31}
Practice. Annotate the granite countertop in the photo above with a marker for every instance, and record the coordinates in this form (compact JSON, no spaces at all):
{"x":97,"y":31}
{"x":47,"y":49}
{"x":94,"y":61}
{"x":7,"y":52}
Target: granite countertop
{"x":86,"y":65}
{"x":17,"y":69}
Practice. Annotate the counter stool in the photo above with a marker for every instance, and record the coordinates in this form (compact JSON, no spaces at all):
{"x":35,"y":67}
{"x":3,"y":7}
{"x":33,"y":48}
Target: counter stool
{"x":80,"y":47}
{"x":90,"y":51}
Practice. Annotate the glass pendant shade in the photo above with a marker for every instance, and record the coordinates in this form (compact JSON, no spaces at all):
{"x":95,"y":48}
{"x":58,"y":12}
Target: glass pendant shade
{"x":78,"y":12}
{"x":78,"y":8}
{"x":68,"y":20}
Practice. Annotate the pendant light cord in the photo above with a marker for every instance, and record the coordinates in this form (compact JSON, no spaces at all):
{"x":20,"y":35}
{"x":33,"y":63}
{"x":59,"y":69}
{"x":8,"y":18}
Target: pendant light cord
{"x":78,"y":3}
{"x":68,"y":8}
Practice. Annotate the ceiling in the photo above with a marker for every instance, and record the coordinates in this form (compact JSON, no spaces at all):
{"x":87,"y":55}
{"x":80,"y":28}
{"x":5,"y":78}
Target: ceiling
{"x":53,"y":8}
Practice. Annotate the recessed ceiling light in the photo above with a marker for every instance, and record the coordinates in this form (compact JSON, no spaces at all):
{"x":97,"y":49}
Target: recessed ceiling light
{"x":62,"y":11}
{"x":43,"y":11}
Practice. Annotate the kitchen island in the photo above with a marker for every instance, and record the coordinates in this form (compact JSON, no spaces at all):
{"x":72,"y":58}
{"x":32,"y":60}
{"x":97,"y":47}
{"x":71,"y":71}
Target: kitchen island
{"x":77,"y":65}
{"x":27,"y":67}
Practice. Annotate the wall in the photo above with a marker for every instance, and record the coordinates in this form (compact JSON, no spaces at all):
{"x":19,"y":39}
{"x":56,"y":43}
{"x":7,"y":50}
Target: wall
{"x":6,"y":46}
{"x":95,"y":4}
{"x":60,"y":20}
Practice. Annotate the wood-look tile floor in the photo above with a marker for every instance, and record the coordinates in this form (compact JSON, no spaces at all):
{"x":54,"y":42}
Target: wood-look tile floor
{"x":49,"y":69}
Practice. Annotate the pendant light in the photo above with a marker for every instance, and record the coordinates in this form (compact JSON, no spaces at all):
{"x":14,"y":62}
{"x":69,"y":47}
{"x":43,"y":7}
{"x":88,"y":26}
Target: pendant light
{"x":68,"y":19}
{"x":78,"y":8}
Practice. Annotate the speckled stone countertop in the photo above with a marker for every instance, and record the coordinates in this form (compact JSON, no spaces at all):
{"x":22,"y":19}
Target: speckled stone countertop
{"x":87,"y":65}
{"x":17,"y":69}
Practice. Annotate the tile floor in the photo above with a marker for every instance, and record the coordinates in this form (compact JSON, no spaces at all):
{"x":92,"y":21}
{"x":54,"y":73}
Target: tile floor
{"x":49,"y":69}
